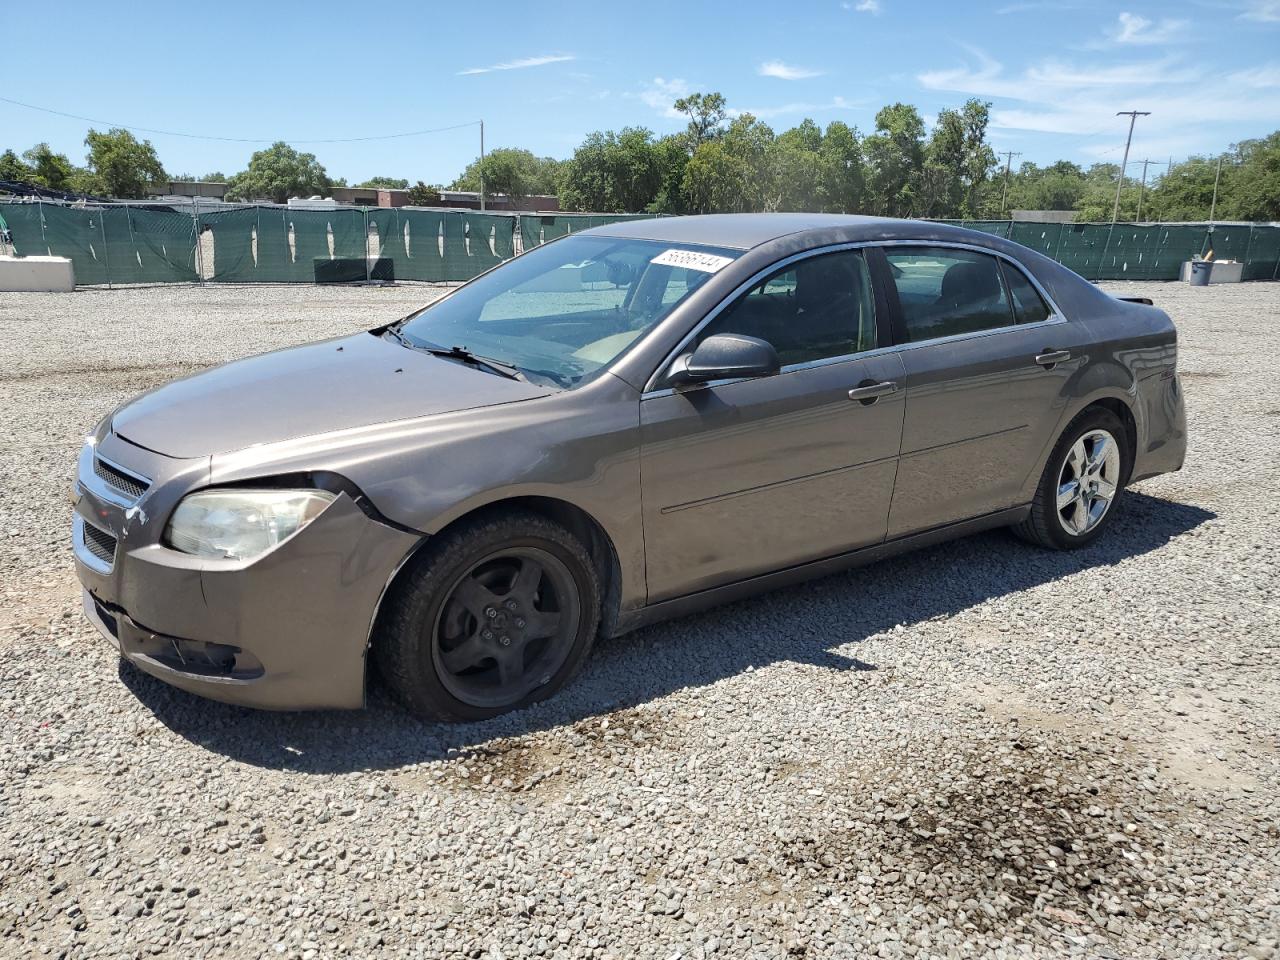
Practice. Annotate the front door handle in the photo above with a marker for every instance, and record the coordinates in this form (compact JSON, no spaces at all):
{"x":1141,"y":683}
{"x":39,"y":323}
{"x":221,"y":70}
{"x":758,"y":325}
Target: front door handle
{"x":868,"y":392}
{"x":1051,"y":357}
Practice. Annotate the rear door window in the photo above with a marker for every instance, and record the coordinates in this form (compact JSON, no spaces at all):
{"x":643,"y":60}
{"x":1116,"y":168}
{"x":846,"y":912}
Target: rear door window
{"x":944,"y":292}
{"x":1028,"y":305}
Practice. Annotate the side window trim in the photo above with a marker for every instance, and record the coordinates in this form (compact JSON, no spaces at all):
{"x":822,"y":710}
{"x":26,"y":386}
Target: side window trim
{"x":888,"y":323}
{"x":757,"y":280}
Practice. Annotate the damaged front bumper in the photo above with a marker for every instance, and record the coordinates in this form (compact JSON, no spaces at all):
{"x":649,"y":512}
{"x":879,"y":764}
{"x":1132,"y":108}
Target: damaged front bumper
{"x":287,"y":630}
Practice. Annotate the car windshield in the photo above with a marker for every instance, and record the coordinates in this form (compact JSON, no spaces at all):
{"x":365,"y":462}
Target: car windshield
{"x":564,"y":310}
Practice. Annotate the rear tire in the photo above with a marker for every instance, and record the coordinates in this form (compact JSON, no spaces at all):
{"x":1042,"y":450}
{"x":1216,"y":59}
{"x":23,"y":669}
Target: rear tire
{"x":488,"y":618}
{"x":1082,"y":483}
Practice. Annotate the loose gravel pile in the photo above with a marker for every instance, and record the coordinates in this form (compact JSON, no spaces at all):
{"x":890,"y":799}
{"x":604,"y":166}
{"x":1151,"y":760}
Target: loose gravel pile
{"x":978,"y":750}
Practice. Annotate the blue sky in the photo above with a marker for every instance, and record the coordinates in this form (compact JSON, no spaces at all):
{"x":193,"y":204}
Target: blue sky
{"x":543,"y":75}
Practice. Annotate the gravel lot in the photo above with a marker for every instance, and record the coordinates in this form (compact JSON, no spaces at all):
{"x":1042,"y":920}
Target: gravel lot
{"x":978,"y":750}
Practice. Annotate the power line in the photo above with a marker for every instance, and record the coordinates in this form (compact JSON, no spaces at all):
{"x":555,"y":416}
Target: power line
{"x":197,"y":136}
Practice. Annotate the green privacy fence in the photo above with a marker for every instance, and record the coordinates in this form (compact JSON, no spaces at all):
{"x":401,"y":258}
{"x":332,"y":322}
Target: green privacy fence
{"x":1130,"y":251}
{"x":536,"y":228}
{"x":262,"y":243}
{"x":126,"y":243}
{"x":116,"y":244}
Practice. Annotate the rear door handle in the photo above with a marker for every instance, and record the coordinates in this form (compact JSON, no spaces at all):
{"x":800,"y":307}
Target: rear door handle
{"x":868,"y":393}
{"x":1050,"y":357}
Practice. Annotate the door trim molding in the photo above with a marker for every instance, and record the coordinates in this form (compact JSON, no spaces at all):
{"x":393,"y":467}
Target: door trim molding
{"x":741,"y":589}
{"x":748,"y":491}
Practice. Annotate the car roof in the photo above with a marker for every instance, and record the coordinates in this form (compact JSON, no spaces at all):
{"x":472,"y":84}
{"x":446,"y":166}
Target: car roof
{"x":742,"y":231}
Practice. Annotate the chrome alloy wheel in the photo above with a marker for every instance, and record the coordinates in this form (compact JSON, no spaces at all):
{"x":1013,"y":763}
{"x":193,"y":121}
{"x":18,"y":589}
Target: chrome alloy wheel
{"x":506,"y":627}
{"x":1088,"y":482}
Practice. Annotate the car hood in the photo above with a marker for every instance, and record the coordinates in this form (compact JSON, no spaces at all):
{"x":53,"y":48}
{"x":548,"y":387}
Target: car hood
{"x":353,"y":381}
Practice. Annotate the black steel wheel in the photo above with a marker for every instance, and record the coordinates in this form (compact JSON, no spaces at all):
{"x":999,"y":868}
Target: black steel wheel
{"x":492,"y":616}
{"x":506,"y":627}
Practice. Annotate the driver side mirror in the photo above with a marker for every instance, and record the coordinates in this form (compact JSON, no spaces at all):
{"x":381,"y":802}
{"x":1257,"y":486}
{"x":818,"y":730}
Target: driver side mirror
{"x":725,"y":356}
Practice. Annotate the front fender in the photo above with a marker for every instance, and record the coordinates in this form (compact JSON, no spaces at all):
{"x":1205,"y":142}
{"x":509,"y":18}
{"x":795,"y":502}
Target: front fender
{"x":579,"y":447}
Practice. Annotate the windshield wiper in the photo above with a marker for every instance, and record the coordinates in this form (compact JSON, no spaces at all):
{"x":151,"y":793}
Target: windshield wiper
{"x":466,"y":356}
{"x":461,"y":354}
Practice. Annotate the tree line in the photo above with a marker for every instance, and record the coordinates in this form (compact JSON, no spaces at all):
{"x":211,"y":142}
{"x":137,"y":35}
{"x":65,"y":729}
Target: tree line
{"x":734,"y":162}
{"x":737,"y":163}
{"x":119,"y":166}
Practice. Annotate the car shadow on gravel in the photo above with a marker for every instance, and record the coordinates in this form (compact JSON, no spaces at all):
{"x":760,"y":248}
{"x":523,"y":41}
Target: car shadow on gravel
{"x":802,"y":624}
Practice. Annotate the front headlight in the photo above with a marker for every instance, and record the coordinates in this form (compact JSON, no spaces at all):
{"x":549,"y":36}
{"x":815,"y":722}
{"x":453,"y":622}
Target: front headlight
{"x":241,"y":524}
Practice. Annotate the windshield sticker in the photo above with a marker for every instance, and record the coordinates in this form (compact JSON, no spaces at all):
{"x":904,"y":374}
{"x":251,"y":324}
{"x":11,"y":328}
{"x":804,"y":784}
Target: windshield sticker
{"x":692,"y":260}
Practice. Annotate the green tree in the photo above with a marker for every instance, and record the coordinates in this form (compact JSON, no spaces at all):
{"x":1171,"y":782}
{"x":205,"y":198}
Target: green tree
{"x":797,"y":168}
{"x":978,"y":158}
{"x":939,"y":188}
{"x":50,"y":169}
{"x":422,"y":195}
{"x":1185,"y":192}
{"x":511,"y":171}
{"x":842,"y":177}
{"x":672,"y":156}
{"x":706,"y":113}
{"x":12,"y":168}
{"x":278,"y":173}
{"x":1098,"y":198}
{"x":1058,"y":186}
{"x":216,"y":177}
{"x":614,"y":173}
{"x":121,"y":165}
{"x":385,"y":183}
{"x":1254,"y":185}
{"x":894,"y":155}
{"x":956,"y":164}
{"x":733,"y":173}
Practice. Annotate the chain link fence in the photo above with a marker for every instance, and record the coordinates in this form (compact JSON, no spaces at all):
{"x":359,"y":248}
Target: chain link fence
{"x":129,"y":243}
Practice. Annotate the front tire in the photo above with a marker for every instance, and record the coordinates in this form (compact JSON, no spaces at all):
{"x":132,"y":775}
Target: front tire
{"x":488,"y":618}
{"x":1082,"y":483}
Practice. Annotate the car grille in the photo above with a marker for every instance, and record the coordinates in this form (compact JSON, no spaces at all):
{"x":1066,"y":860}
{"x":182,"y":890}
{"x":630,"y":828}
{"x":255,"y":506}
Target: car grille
{"x":99,"y":543}
{"x":132,"y":487}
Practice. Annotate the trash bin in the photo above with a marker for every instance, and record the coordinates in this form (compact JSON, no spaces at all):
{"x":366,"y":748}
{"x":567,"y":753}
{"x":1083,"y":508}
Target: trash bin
{"x":1200,"y":270}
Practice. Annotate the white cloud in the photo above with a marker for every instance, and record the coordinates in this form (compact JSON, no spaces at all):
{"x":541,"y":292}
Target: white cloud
{"x":1028,"y":7}
{"x":1052,"y":81}
{"x":1257,"y":78}
{"x":1133,"y":29}
{"x":862,"y":6}
{"x":1082,"y":99}
{"x":795,"y":109}
{"x":1263,"y":11}
{"x":786,"y":71}
{"x":660,"y":94}
{"x":520,"y":64}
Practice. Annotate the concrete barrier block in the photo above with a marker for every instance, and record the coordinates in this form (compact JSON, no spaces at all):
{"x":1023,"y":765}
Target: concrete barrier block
{"x":36,"y":275}
{"x":1226,"y":271}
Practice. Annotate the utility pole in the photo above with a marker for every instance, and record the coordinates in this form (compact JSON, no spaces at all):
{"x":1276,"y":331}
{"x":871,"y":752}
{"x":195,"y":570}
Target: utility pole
{"x":1133,"y":116}
{"x":1143,"y":190}
{"x":1213,"y":209}
{"x":1008,"y":161}
{"x":482,"y":166}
